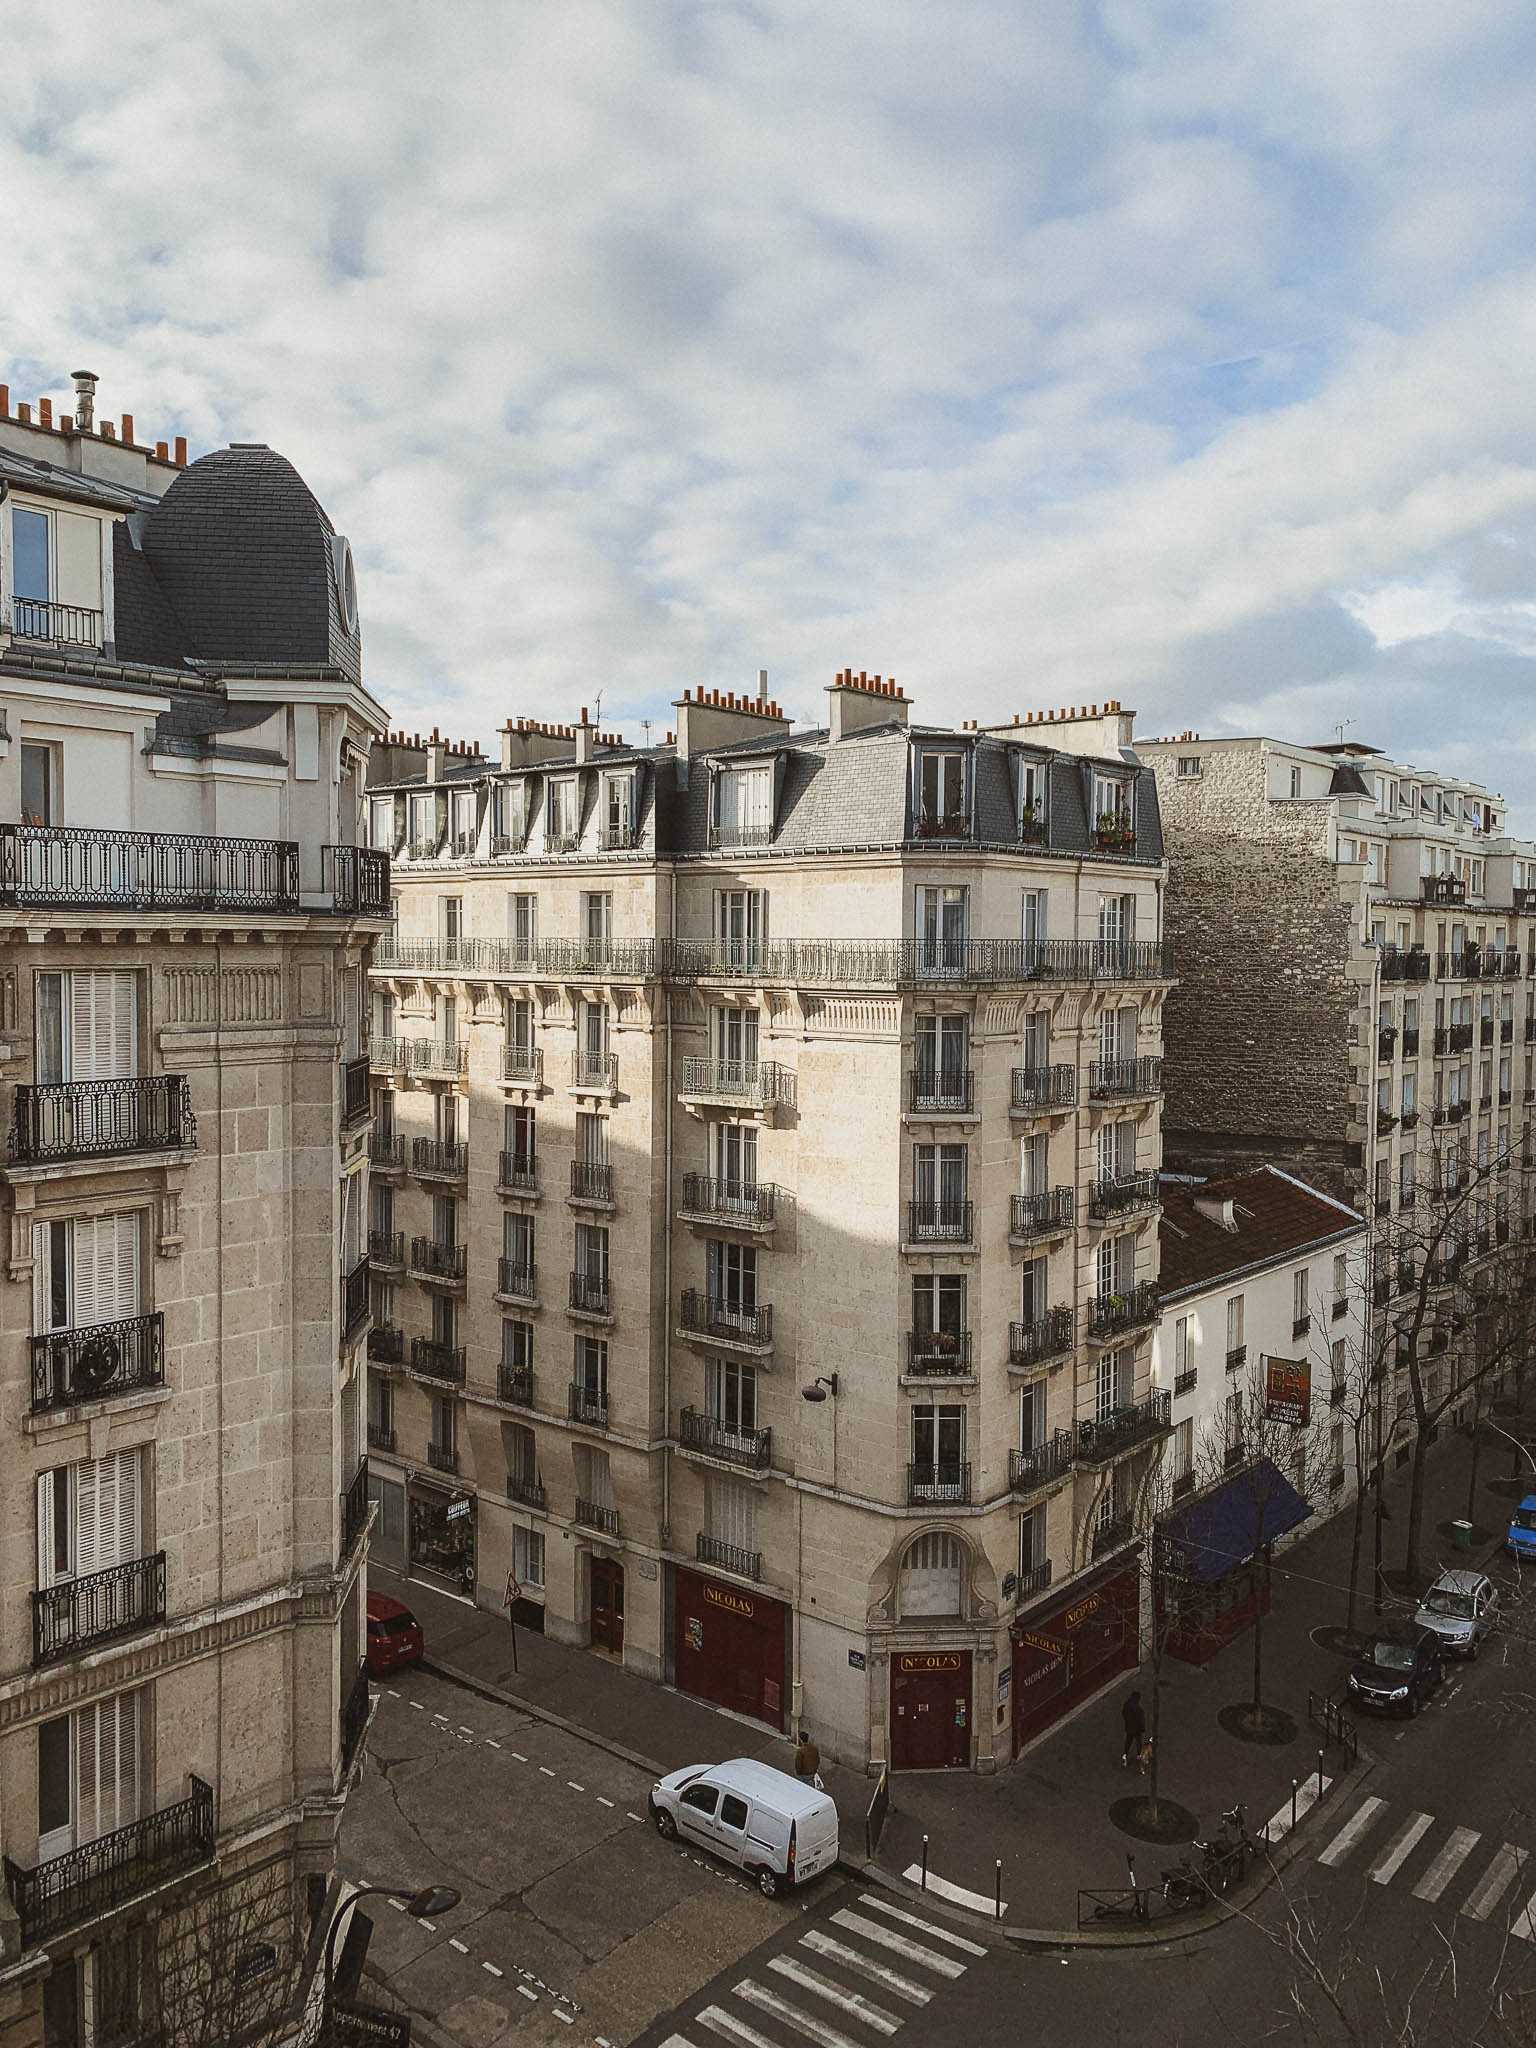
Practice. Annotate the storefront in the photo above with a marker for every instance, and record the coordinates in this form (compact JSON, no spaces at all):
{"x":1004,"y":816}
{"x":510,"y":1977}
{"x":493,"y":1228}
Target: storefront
{"x":1066,"y":1649}
{"x":730,"y":1646}
{"x":1213,"y":1559}
{"x":931,"y":1710}
{"x":386,"y":1546}
{"x":441,"y":1528}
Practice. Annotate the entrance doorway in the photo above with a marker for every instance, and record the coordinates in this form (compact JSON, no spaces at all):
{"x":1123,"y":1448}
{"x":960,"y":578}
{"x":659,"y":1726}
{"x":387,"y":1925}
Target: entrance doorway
{"x":608,"y":1606}
{"x":931,"y":1710}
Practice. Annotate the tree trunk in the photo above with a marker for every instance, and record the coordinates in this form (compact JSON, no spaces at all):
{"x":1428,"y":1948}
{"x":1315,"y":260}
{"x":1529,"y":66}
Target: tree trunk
{"x":1157,"y":1704}
{"x":1357,"y":1538}
{"x":1477,"y":1445}
{"x":1261,"y":1580}
{"x":1415,"y":1507}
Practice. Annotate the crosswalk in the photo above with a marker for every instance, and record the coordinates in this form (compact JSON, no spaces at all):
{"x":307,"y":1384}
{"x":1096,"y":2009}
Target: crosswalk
{"x":1461,"y":1864}
{"x":824,"y":1994}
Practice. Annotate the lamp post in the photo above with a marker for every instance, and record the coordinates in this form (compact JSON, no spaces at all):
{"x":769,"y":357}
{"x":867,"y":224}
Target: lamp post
{"x":426,"y":1904}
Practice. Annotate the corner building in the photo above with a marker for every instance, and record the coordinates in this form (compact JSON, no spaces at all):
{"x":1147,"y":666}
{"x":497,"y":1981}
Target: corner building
{"x":185,"y":916}
{"x":756,"y":1065}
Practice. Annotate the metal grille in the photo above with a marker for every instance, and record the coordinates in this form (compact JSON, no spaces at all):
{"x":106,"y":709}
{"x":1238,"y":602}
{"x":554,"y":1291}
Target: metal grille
{"x":96,"y":1363}
{"x":81,"y":1613}
{"x":79,"y":865}
{"x":86,"y":1119}
{"x":102,"y":1875}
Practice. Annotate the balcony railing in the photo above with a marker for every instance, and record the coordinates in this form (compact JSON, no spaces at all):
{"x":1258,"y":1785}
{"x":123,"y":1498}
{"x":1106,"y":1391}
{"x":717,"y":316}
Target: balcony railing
{"x":97,"y":1363}
{"x":1042,"y":1088}
{"x":515,"y":1276}
{"x":95,"y":1119}
{"x":112,"y":1871}
{"x":591,"y":1514}
{"x":386,"y":1148}
{"x":446,"y":1058}
{"x":617,"y":838}
{"x":1185,"y":1382}
{"x":1124,"y":1194}
{"x":443,"y":1457}
{"x":381,"y":1439}
{"x":354,"y":1090}
{"x":1396,"y":965}
{"x":939,"y":1091}
{"x":1033,"y":1583}
{"x":1047,"y":1337}
{"x":1044,"y":1215}
{"x":1123,"y":1429}
{"x":524,"y":1063}
{"x":386,"y":1344}
{"x":589,"y":1405}
{"x":743,"y":837}
{"x":1111,"y":1315}
{"x":594,"y":1069}
{"x":386,"y":1247}
{"x":590,"y":1294}
{"x":1040,"y":1466}
{"x":354,"y":1508}
{"x":1112,"y":1534}
{"x":358,"y":878}
{"x":518,"y":1171}
{"x":945,"y":1221}
{"x":80,"y":1614}
{"x":439,"y":1261}
{"x":591,"y":1180}
{"x":82,"y":867}
{"x":354,"y":1718}
{"x":938,"y":1354}
{"x":514,"y":1384}
{"x":1300,"y":1325}
{"x":529,"y":1493}
{"x":708,"y":1316}
{"x":759,"y":1083}
{"x":1237,"y":1357}
{"x":354,"y":1299}
{"x":1444,"y":890}
{"x":439,"y":1158}
{"x":436,"y":1361}
{"x":1125,"y":1080}
{"x":711,"y":1438}
{"x":946,"y":1481}
{"x":68,"y":625}
{"x":941,"y":825}
{"x":749,"y":1203}
{"x":727,"y":1557}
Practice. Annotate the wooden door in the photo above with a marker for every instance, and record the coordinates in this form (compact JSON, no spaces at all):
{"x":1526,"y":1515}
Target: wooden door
{"x":931,"y":1710}
{"x":608,"y":1606}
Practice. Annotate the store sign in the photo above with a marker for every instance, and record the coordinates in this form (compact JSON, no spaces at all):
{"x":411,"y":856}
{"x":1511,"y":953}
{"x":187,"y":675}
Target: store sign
{"x":734,"y":1603}
{"x":368,"y":2026}
{"x":458,"y":1509}
{"x":928,"y":1660}
{"x":1076,"y":1616}
{"x":1288,"y":1390}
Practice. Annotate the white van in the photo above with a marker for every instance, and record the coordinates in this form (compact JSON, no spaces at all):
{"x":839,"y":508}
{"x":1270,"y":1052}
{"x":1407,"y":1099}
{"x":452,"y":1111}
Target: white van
{"x":779,"y":1829}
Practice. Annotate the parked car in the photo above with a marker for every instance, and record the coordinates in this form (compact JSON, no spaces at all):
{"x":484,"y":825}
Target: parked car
{"x":1521,"y":1540}
{"x":1461,"y":1608}
{"x":394,"y":1635}
{"x":1399,"y":1670}
{"x":778,"y":1829}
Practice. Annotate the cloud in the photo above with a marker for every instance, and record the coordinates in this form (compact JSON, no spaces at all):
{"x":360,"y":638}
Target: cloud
{"x":1169,"y":351}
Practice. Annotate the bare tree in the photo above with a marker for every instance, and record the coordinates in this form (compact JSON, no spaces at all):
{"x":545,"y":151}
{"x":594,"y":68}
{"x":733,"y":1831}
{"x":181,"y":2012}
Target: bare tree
{"x":226,"y":1962}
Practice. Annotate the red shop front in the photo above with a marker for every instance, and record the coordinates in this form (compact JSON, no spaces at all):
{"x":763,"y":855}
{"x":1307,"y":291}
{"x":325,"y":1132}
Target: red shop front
{"x":1066,"y":1649}
{"x":730,"y":1646}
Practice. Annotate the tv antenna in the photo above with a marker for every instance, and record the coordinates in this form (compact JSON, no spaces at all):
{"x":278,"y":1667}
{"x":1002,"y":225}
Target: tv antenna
{"x":645,"y":727}
{"x":597,"y":715}
{"x":1340,"y":728}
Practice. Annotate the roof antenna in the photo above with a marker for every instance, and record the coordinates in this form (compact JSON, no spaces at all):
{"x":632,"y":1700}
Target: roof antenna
{"x":1341,"y":726}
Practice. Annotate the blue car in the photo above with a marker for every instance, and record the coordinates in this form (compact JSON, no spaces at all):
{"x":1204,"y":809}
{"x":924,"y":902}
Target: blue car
{"x":1521,"y":1540}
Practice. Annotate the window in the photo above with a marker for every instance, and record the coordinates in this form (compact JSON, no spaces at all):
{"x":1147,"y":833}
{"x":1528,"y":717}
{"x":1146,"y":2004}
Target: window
{"x":1340,"y":1276}
{"x":1188,"y":766}
{"x":1115,"y":1264}
{"x":1035,"y":1164}
{"x":618,"y":810}
{"x":1235,"y":1338}
{"x":528,"y":1556}
{"x":1114,"y":1378}
{"x":424,"y":826}
{"x":55,"y":562}
{"x":562,"y":818}
{"x":591,"y":1357}
{"x":1409,"y":1096}
{"x":1117,"y":1150}
{"x":522,"y":925}
{"x":732,"y":1275}
{"x":88,"y":1517}
{"x":464,"y":825}
{"x":520,"y":1024}
{"x":451,"y":917}
{"x":941,"y":805}
{"x":87,"y":1025}
{"x":731,"y":1506}
{"x":943,"y":917}
{"x":731,"y":1392}
{"x":1032,"y":788}
{"x":592,"y":1257}
{"x":938,"y":1189}
{"x":1037,"y":1040}
{"x":1295,"y":780}
{"x":509,"y":817}
{"x":1299,"y":1316}
{"x":942,"y":1050}
{"x":938,"y":1443}
{"x":1036,"y":917}
{"x":736,"y":1041}
{"x":733,"y":1158}
{"x":733,"y":1813}
{"x":39,"y":784}
{"x":1181,"y":1346}
{"x":1031,"y":1544}
{"x":1233,"y":1423}
{"x":1184,"y":1448}
{"x":930,"y":1580}
{"x":445,"y":1426}
{"x":1032,"y":1430}
{"x":1117,"y":1035}
{"x":741,"y":926}
{"x":521,"y":1133}
{"x":516,"y":1344}
{"x":741,"y":807}
{"x":938,"y":1314}
{"x":88,"y":1774}
{"x":85,"y":1271}
{"x":1111,"y":806}
{"x":381,"y":1410}
{"x":517,"y":1247}
{"x":1034,"y":1292}
{"x":1117,"y":920}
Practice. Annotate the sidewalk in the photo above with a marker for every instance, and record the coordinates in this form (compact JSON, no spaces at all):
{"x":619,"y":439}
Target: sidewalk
{"x":1047,"y":1816}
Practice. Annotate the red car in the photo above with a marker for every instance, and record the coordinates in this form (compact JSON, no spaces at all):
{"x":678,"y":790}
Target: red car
{"x":394,"y":1635}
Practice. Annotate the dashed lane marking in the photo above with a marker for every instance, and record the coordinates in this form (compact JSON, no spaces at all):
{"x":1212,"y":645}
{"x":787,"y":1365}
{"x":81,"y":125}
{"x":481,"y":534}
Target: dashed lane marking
{"x":1445,"y":1866}
{"x":546,"y":1771}
{"x":491,"y":1742}
{"x":1495,"y":1882}
{"x":1351,"y":1832}
{"x":574,"y":1786}
{"x":398,"y":1904}
{"x":491,"y":1967}
{"x":634,"y":1816}
{"x":518,"y":1754}
{"x":1401,"y":1846}
{"x":562,"y":2016}
{"x":420,"y":1709}
{"x":602,"y":1801}
{"x":459,"y":1945}
{"x":838,"y":1952}
{"x":524,"y":1992}
{"x":1524,"y":1923}
{"x":851,"y":2002}
{"x":891,"y":1912}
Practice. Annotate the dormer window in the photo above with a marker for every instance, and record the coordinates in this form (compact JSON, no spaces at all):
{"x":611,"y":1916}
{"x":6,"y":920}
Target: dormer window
{"x":619,"y":810}
{"x":381,"y":823}
{"x":509,"y":817}
{"x":1114,"y":826}
{"x":424,"y":829}
{"x":55,"y":576}
{"x":464,"y":833}
{"x":942,"y":811}
{"x":562,"y":819}
{"x":1032,"y":802}
{"x":741,"y":807}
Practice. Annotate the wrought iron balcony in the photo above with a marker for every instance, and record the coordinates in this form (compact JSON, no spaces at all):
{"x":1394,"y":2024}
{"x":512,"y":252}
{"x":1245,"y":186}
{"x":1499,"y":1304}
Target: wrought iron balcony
{"x":386,"y":1344}
{"x":358,"y":879}
{"x":591,"y":1514}
{"x":515,"y":1277}
{"x":386,"y":1149}
{"x":529,"y":1493}
{"x":514,"y":1384}
{"x":1185,"y":1382}
{"x":354,"y":1091}
{"x":443,"y":1457}
{"x":1042,"y":1465}
{"x":1048,"y":1214}
{"x":707,"y":1315}
{"x":710,"y":1438}
{"x":68,"y":625}
{"x":946,"y":1481}
{"x":1112,"y":1315}
{"x":1237,"y":1358}
{"x":939,"y":1354}
{"x":436,"y":1361}
{"x":1444,"y":890}
{"x":1110,"y":1535}
{"x":726,"y":1557}
{"x":760,"y":1084}
{"x":386,"y":1247}
{"x":598,"y":1070}
{"x":518,"y":1172}
{"x":939,"y":1091}
{"x":1124,"y":1429}
{"x":114,"y":1870}
{"x":439,"y":1158}
{"x":443,"y":1058}
{"x":97,"y":1363}
{"x":354,"y":1718}
{"x":742,"y":837}
{"x":354,"y":1299}
{"x":589,"y":1405}
{"x":381,"y":1439}
{"x":1044,"y":1088}
{"x":1033,"y":1583}
{"x":1300,"y":1325}
{"x":591,"y":1180}
{"x":590,"y":1295}
{"x":82,"y":867}
{"x":748,"y":1203}
{"x":1396,"y":965}
{"x":58,"y":1120}
{"x":1124,"y":1195}
{"x":354,"y":1509}
{"x":523,"y":1063}
{"x":439,"y":1261}
{"x":1049,"y":1336}
{"x":944,"y":1221}
{"x":941,"y":825}
{"x":81,"y":1614}
{"x":1125,"y":1080}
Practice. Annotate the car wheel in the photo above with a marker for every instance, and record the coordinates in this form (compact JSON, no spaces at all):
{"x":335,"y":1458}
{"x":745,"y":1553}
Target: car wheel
{"x":768,"y":1882}
{"x":1472,"y":1649}
{"x":1413,"y":1704}
{"x":666,"y":1826}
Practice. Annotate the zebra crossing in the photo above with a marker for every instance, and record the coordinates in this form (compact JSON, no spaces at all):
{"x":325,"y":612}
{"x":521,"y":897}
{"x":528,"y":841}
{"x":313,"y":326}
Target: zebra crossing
{"x":868,"y":1969}
{"x":1463,"y":1863}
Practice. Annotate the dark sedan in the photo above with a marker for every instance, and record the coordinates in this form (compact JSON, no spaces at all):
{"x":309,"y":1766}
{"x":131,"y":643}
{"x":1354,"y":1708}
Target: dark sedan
{"x":1398,"y":1671}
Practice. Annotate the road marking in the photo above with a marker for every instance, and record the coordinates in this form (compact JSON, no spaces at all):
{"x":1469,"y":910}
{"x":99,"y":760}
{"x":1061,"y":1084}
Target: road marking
{"x":518,"y":1754}
{"x":1351,"y":1832}
{"x":398,"y":1904}
{"x":719,"y":2021}
{"x":430,"y":1925}
{"x":975,"y":1902}
{"x":635,"y":1816}
{"x":602,"y":1801}
{"x":959,"y":1941}
{"x":492,"y":1969}
{"x":465,"y":1731}
{"x":1496,"y":1880}
{"x":420,"y":1709}
{"x":672,"y":2041}
{"x":459,"y":1945}
{"x":547,"y":1772}
{"x":524,"y":1992}
{"x":861,"y":2008}
{"x":1307,"y":1796}
{"x":491,"y":1743}
{"x":565,"y":2016}
{"x":574,"y":1786}
{"x":1401,"y":1847}
{"x":836,"y":1951}
{"x":391,"y":1691}
{"x":885,"y":1937}
{"x":1445,"y":1866}
{"x":791,"y":2015}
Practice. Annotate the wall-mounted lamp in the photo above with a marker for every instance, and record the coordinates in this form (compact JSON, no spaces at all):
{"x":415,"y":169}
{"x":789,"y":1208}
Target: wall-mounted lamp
{"x":820,"y":1387}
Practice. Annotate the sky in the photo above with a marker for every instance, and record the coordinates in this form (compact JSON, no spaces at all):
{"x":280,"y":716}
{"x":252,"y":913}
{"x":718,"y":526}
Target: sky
{"x":1148,"y":349}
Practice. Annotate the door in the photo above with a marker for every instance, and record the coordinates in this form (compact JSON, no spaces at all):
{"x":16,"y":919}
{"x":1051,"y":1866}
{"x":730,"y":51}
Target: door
{"x":608,"y":1606}
{"x":696,"y":1813}
{"x":931,"y":1710}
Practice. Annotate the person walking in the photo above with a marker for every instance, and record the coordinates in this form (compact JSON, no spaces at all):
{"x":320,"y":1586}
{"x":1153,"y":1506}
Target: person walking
{"x":807,"y":1758}
{"x":1135,"y":1724}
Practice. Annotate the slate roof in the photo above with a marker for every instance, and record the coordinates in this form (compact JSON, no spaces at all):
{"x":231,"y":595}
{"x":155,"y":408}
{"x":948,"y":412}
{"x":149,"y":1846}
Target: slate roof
{"x":52,"y":479}
{"x":1277,"y":1219}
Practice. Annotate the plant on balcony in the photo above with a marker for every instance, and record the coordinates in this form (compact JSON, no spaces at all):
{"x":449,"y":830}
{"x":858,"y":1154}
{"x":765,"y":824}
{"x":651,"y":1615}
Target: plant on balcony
{"x":1114,"y":828}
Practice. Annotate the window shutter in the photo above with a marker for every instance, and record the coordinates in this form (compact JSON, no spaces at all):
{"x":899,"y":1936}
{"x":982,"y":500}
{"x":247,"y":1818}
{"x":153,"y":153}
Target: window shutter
{"x":45,"y":1486}
{"x":87,"y":1478}
{"x":102,"y":1025}
{"x":106,"y":1269}
{"x":42,"y":1278}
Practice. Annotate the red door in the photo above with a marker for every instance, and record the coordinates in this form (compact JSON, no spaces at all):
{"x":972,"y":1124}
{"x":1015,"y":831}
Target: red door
{"x":729,"y":1646}
{"x":931,"y":1710}
{"x":608,"y":1605}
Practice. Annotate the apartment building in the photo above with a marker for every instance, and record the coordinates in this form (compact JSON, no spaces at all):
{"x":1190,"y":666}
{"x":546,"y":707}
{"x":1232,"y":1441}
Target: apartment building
{"x":1356,"y":941}
{"x":765,"y":1150}
{"x":185,"y":917}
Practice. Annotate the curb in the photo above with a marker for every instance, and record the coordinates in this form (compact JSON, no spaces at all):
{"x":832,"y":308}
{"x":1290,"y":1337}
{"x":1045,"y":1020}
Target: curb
{"x":503,"y":1698}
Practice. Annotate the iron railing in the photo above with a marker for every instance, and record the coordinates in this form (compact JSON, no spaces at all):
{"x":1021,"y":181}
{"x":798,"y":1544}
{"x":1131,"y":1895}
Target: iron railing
{"x":1110,"y":1535}
{"x":443,"y":1457}
{"x":440,"y":1158}
{"x":98,"y":1362}
{"x":354,"y":1299}
{"x":358,"y":879}
{"x":1122,"y":1429}
{"x":709,"y":1316}
{"x":354,"y":1509}
{"x":445,"y":1057}
{"x":72,"y":625}
{"x":115,"y":1869}
{"x":1033,"y":1583}
{"x":93,"y":1119}
{"x":944,"y":1221}
{"x":948,"y":1481}
{"x":589,"y":1405}
{"x":518,"y":1171}
{"x":523,"y":1063}
{"x":591,"y":1069}
{"x":1044,"y":1087}
{"x":591,"y":1180}
{"x":354,"y":1718}
{"x":439,"y":1261}
{"x":1042,"y":1464}
{"x":1122,"y":1080}
{"x":1111,"y":1314}
{"x":530,"y":1492}
{"x":617,"y":838}
{"x":1047,"y":1337}
{"x":386,"y":1247}
{"x":354,"y":1090}
{"x":728,"y":1557}
{"x":436,"y":1361}
{"x":1444,"y":890}
{"x":1043,"y":1215}
{"x":515,"y":1276}
{"x":592,"y":1514}
{"x":381,"y":1439}
{"x":78,"y":866}
{"x":590,"y":1294}
{"x":386,"y":1148}
{"x":740,"y":1201}
{"x":745,"y":837}
{"x":712,"y":1438}
{"x":937,"y":1354}
{"x":514,"y":1384}
{"x":386,"y":1344}
{"x":79,"y":1614}
{"x":1124,"y":1193}
{"x":763,"y":1083}
{"x":940,"y":1091}
{"x":1397,"y":965}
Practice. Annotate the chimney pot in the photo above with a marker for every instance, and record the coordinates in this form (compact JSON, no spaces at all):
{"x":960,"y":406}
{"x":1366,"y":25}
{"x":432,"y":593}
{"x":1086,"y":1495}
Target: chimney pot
{"x":128,"y":428}
{"x":5,"y":401}
{"x":45,"y":412}
{"x":181,"y":450}
{"x":162,"y":450}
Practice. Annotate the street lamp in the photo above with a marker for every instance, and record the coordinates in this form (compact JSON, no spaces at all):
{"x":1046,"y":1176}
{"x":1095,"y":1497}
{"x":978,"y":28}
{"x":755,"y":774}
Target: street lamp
{"x":427,"y":1904}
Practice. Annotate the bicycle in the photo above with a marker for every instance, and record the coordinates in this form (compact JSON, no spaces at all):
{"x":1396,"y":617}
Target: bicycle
{"x":1226,"y":1856}
{"x":1184,"y":1886}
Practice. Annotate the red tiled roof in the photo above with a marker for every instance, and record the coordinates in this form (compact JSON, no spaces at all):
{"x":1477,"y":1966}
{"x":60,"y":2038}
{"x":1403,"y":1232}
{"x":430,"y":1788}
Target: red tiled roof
{"x":1275,"y":1218}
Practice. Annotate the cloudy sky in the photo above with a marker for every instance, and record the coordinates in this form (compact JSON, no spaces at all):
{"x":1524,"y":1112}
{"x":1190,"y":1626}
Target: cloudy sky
{"x":1173,"y":351}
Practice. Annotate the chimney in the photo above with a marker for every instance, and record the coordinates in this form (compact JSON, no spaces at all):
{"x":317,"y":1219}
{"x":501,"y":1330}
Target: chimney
{"x":85,"y":398}
{"x":436,"y":756}
{"x":585,"y":737}
{"x":762,"y":686}
{"x":855,"y":702}
{"x":710,"y":718}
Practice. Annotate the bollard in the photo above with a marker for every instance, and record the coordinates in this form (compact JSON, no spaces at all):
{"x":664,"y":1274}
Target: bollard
{"x":1320,"y":1774}
{"x":1293,"y":1802}
{"x":998,"y":1892}
{"x":925,"y":1863}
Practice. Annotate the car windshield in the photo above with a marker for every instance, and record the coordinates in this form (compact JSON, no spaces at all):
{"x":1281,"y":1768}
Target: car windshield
{"x":1525,"y":1518}
{"x":1392,"y":1656}
{"x":392,"y":1624}
{"x":1441,"y":1600}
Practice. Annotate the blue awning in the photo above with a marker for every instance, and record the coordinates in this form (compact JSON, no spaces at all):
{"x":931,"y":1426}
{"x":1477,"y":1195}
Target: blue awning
{"x":1228,"y":1525}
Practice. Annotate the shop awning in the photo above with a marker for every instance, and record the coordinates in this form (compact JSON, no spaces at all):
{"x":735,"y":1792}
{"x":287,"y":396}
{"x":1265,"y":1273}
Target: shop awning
{"x":1227,"y":1526}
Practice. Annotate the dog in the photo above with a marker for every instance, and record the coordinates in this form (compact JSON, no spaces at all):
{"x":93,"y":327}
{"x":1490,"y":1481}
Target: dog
{"x":1144,"y":1760}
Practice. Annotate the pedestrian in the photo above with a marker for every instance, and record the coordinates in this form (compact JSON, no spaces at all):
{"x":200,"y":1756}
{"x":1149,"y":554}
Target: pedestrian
{"x":1135,"y":1724}
{"x":807,"y":1757}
